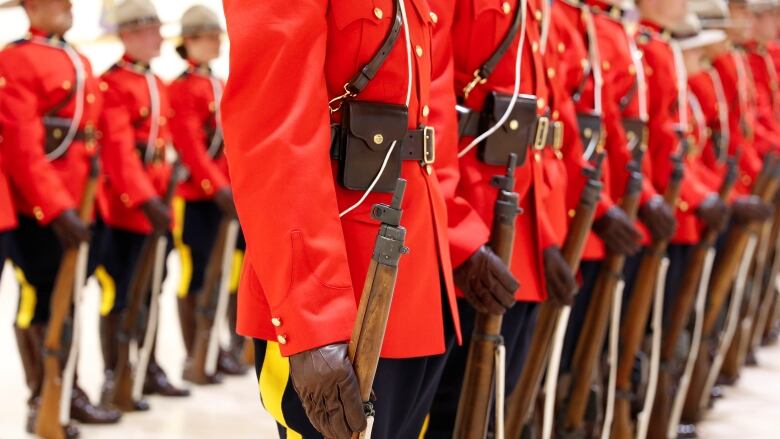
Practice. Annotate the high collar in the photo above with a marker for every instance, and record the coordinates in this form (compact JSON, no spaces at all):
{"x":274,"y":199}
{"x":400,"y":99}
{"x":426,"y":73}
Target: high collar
{"x":48,"y":36}
{"x":199,"y":68}
{"x":134,"y":65}
{"x":603,"y":7}
{"x":663,"y":32}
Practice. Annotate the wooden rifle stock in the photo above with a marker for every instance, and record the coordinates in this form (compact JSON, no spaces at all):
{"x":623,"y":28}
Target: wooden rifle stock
{"x":521,"y":401}
{"x":633,"y":327}
{"x":765,"y":308}
{"x":47,"y":424}
{"x":206,"y":309}
{"x":138,"y":293}
{"x":371,"y":322}
{"x":726,"y":265}
{"x":680,"y":315}
{"x":476,"y":394}
{"x":594,"y":330}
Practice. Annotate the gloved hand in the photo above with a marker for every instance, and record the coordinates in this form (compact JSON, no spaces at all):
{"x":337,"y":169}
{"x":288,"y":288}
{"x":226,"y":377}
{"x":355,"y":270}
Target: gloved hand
{"x":329,"y":391}
{"x":750,"y":208}
{"x":69,"y":228}
{"x":224,"y":200}
{"x":561,"y":284}
{"x":618,"y":232}
{"x":157,"y":213}
{"x":486,"y":282}
{"x":659,"y":218}
{"x":714,"y":212}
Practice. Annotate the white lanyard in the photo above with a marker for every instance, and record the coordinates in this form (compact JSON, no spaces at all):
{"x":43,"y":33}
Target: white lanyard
{"x":216,"y":142}
{"x":723,"y":114}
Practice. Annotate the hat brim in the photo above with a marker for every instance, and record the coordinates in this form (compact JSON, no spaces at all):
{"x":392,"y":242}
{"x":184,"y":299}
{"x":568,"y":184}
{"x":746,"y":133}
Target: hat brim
{"x":10,"y":4}
{"x":702,"y":39}
{"x":723,"y":23}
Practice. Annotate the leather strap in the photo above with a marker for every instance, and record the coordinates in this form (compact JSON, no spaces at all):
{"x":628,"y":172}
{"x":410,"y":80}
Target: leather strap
{"x":361,"y":79}
{"x":417,"y":145}
{"x":468,"y":125}
{"x":487,"y":68}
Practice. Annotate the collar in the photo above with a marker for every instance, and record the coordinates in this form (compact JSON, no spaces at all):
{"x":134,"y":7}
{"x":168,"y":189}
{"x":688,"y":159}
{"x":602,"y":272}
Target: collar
{"x":602,"y":7}
{"x":134,"y":65}
{"x":198,"y":68}
{"x":662,"y":32}
{"x":48,"y":37}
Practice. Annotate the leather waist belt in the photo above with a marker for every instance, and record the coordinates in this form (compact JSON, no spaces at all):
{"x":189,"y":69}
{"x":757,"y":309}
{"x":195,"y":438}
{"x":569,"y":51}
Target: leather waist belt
{"x":547,"y":133}
{"x":417,"y":145}
{"x":157,"y":157}
{"x":55,"y":130}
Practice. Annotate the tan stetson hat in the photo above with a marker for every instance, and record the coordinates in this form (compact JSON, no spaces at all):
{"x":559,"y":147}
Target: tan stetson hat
{"x":135,"y":13}
{"x":689,"y":33}
{"x":199,"y":19}
{"x":714,"y":14}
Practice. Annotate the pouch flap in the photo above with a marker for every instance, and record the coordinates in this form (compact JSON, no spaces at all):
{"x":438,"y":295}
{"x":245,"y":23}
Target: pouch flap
{"x":377,"y":124}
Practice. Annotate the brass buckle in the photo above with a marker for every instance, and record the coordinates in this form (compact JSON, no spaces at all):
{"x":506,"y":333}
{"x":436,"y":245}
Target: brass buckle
{"x":470,"y":86}
{"x":429,"y":145}
{"x":335,"y":104}
{"x":542,"y":131}
{"x":558,"y":135}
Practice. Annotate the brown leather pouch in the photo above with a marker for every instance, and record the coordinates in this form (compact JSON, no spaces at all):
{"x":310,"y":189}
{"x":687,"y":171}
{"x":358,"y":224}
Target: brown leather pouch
{"x":514,"y":136}
{"x":635,"y":132}
{"x":590,"y":133}
{"x":368,"y":129}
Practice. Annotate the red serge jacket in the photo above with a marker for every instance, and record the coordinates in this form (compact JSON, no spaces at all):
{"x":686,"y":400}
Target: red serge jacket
{"x":38,"y":76}
{"x":305,"y":266}
{"x":135,"y":131}
{"x":196,"y":133}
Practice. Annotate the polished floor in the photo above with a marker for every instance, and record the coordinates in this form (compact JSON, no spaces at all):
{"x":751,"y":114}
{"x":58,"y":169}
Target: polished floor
{"x":751,"y":410}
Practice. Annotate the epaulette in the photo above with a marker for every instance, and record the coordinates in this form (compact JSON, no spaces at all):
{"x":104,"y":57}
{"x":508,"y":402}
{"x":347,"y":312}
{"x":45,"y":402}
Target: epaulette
{"x":613,"y":12}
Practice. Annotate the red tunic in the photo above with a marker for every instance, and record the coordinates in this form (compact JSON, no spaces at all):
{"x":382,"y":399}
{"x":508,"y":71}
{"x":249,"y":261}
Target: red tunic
{"x":7,"y":212}
{"x":133,"y":144}
{"x":29,"y":89}
{"x":194,"y":118}
{"x":305,"y":267}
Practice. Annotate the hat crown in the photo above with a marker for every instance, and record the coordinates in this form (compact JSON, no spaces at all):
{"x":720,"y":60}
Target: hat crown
{"x":199,"y":18}
{"x":135,"y":11}
{"x":710,"y":9}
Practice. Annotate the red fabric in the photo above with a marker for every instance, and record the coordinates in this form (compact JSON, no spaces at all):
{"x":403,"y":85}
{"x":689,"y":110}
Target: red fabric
{"x":7,"y":212}
{"x":29,"y":89}
{"x":304,"y":264}
{"x":193,"y":110}
{"x":767,"y":99}
{"x":125,"y":121}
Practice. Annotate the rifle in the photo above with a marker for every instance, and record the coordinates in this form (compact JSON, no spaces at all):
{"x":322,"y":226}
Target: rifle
{"x":520,"y":403}
{"x":50,"y":423}
{"x":126,"y":395}
{"x":212,"y":305}
{"x":594,"y":329}
{"x":486,"y":348}
{"x":633,"y":327}
{"x":680,"y":313}
{"x":726,"y":265}
{"x":374,"y":309}
{"x":766,"y":306}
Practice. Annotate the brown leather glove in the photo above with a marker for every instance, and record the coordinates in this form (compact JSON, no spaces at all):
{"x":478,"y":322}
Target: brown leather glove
{"x":224,"y":200}
{"x":659,"y":218}
{"x":750,"y":208}
{"x":714,"y":212}
{"x":618,"y":232}
{"x":561,"y":284}
{"x":157,"y":213}
{"x":69,"y":228}
{"x":329,"y":390}
{"x":486,"y":282}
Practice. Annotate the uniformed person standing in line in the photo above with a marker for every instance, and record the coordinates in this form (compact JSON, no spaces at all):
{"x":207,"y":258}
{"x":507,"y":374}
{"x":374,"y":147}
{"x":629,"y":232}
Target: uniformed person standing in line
{"x":197,"y":136}
{"x":309,"y":238}
{"x":136,"y":135}
{"x":7,"y":215}
{"x":49,"y":105}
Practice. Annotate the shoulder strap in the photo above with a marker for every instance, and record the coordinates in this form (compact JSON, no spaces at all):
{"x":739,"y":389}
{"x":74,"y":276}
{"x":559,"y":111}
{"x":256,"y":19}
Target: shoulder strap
{"x":483,"y":73}
{"x":359,"y":82}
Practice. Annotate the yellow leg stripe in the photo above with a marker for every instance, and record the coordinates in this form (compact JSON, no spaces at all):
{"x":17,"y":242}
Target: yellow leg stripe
{"x":28,"y":298}
{"x":185,"y":256}
{"x":108,"y":290}
{"x":235,"y":275}
{"x":274,"y":377}
{"x":425,"y":427}
{"x":178,"y":219}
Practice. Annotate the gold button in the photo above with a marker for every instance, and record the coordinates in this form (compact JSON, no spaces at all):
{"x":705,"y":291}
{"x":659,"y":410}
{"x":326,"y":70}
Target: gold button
{"x":90,"y":145}
{"x":163,"y":120}
{"x":434,"y":17}
{"x":38,"y":212}
{"x":212,"y":107}
{"x":2,"y":82}
{"x":506,"y":7}
{"x":90,"y":98}
{"x":143,"y":111}
{"x":537,"y":157}
{"x":282,"y":339}
{"x":378,"y":139}
{"x":103,"y":86}
{"x":584,"y":63}
{"x":561,"y":47}
{"x":428,"y":169}
{"x":125,"y":199}
{"x":57,"y":133}
{"x":418,"y":50}
{"x":550,"y":72}
{"x":746,"y":180}
{"x":426,"y":111}
{"x":555,"y":114}
{"x":276,"y":321}
{"x":378,"y":13}
{"x":160,"y":142}
{"x":540,"y":103}
{"x":683,"y":206}
{"x":631,"y":70}
{"x":587,"y":132}
{"x":605,"y":65}
{"x":514,"y":125}
{"x":206,"y":185}
{"x":534,"y":47}
{"x":538,"y":15}
{"x":572,"y":213}
{"x":66,"y":85}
